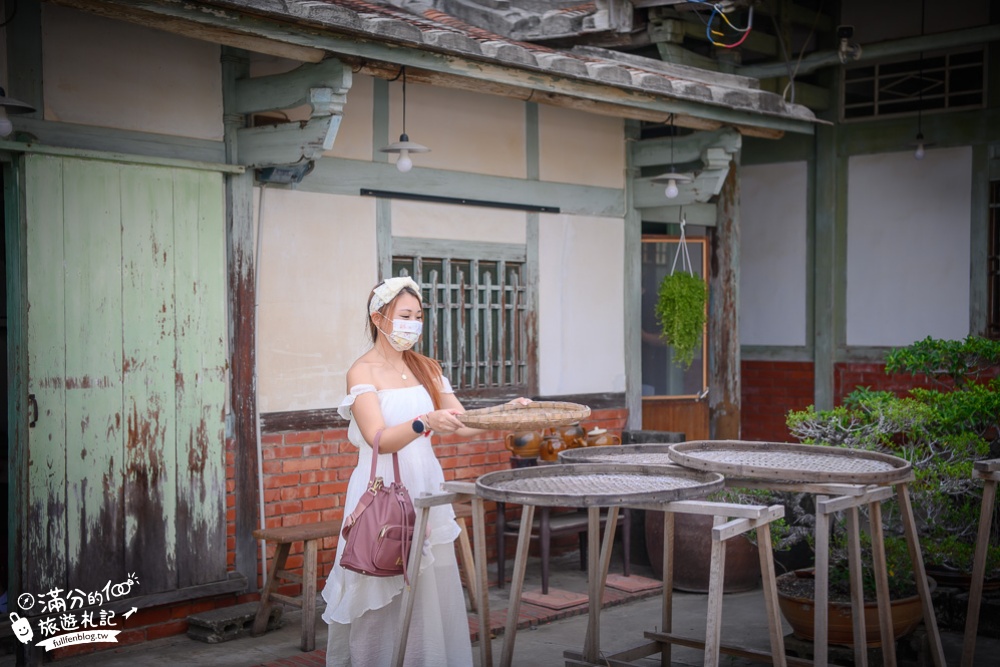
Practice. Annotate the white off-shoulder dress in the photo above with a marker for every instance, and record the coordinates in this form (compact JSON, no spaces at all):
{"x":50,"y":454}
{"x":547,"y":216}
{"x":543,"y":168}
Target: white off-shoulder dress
{"x":362,"y":611}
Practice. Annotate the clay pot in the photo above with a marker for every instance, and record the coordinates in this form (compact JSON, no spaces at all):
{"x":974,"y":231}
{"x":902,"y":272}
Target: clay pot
{"x":693,"y":554}
{"x":524,"y":444}
{"x":551,"y":446}
{"x":572,"y":435}
{"x":599,"y":437}
{"x":799,"y":612}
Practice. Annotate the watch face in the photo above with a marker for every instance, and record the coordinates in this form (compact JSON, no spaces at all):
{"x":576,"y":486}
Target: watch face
{"x":418,"y":426}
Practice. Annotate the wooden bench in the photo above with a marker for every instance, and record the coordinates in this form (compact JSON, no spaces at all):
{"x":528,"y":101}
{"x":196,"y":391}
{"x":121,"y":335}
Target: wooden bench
{"x":310,"y":535}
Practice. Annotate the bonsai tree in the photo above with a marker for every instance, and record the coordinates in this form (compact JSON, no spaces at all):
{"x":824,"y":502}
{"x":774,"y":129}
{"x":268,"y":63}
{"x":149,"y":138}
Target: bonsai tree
{"x":941,"y":431}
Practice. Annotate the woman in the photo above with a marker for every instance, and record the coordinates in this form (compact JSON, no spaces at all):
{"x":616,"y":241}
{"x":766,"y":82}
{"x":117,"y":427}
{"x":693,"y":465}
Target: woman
{"x":402,"y":393}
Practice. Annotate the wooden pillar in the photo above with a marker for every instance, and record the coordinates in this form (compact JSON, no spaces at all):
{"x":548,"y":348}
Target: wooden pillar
{"x":633,"y":286}
{"x":242,"y":295}
{"x":723,"y":312}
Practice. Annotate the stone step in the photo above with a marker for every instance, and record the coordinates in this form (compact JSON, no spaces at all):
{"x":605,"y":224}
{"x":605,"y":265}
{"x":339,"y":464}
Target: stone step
{"x":221,"y":625}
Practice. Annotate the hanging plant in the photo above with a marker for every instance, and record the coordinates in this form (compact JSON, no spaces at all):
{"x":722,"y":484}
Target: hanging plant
{"x":680,"y":309}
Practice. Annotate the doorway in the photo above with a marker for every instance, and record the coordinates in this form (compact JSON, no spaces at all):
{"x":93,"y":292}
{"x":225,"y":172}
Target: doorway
{"x":672,"y":395}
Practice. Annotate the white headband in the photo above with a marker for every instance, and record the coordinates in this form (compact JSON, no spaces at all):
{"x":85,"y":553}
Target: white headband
{"x":387,"y":290}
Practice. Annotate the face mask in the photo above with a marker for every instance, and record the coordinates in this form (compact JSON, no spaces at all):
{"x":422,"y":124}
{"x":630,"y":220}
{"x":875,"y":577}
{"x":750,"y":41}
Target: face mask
{"x":404,"y":334}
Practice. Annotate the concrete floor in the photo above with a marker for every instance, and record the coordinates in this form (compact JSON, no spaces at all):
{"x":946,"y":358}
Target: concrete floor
{"x":543,"y":646}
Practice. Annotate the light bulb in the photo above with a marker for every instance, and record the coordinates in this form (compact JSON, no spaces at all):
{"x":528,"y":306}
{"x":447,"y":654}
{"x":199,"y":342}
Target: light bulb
{"x":404,"y":163}
{"x":671,"y":189}
{"x":5,"y":125}
{"x":919,"y":153}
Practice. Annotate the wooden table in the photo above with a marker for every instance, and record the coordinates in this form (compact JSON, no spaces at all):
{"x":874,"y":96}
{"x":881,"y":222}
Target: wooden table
{"x":989,"y":472}
{"x":596,"y":486}
{"x":842,"y":480}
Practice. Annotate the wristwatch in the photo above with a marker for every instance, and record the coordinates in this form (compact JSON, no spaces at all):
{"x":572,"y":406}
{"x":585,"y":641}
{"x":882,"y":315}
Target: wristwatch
{"x":419,"y":426}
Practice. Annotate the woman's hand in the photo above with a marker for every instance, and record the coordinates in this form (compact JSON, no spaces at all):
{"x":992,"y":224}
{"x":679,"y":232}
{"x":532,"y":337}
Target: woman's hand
{"x":444,"y":421}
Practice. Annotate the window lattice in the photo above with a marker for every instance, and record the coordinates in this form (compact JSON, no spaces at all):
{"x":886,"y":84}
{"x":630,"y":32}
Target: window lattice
{"x":474,"y":318}
{"x":940,"y":82}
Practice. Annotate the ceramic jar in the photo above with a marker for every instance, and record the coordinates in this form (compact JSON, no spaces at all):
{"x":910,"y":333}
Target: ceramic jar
{"x":600,"y":437}
{"x":551,"y":446}
{"x":573,"y":435}
{"x":524,"y":444}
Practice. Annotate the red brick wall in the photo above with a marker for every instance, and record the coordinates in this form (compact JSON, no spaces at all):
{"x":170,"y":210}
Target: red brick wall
{"x":848,"y":377}
{"x":305,"y":479}
{"x":770,"y":389}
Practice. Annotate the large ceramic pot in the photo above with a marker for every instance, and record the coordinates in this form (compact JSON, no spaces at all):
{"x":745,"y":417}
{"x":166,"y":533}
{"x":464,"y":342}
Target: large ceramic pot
{"x":693,"y":554}
{"x":799,"y":612}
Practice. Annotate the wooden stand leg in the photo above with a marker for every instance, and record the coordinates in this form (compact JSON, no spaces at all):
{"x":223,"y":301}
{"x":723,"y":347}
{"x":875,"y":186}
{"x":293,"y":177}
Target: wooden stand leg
{"x":920,"y":574}
{"x":821,"y":594}
{"x":769,"y":585}
{"x":592,"y":641}
{"x":605,"y":563}
{"x":881,"y":585}
{"x":667,"y":620}
{"x":857,"y":587}
{"x":468,"y":565}
{"x":264,"y":610}
{"x":978,"y":573}
{"x":410,"y":590}
{"x":482,"y":585}
{"x":517,"y":584}
{"x":309,"y":596}
{"x":717,"y":570}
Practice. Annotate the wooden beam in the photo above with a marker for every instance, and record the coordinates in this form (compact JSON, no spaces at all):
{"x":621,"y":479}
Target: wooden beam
{"x":299,"y":86}
{"x":723,"y":314}
{"x":287,"y":143}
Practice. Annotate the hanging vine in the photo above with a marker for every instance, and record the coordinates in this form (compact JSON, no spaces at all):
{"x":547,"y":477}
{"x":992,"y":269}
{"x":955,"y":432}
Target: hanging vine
{"x":680,"y":307}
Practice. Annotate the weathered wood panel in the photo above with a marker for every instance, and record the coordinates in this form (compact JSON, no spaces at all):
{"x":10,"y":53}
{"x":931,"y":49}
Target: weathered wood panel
{"x":680,"y":415}
{"x":199,"y":289}
{"x":45,"y":528}
{"x":94,"y":421}
{"x":148,"y":254}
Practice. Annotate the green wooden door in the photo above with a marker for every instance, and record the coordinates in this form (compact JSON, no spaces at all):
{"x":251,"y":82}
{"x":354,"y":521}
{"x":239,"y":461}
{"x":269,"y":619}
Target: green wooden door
{"x":126,"y":330}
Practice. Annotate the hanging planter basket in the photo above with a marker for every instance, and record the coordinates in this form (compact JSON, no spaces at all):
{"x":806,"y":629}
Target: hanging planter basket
{"x":680,"y":308}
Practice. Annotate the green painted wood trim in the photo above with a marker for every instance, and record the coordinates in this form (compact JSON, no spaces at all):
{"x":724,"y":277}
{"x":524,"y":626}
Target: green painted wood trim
{"x":121,"y":158}
{"x":487,"y":72}
{"x":690,"y":148}
{"x":531,"y":276}
{"x":632,"y":283}
{"x":861,"y":354}
{"x":532,"y":148}
{"x":825,"y":264}
{"x":959,"y":128}
{"x":978,"y":233}
{"x":293,"y":88}
{"x":17,"y":373}
{"x":406,"y":246}
{"x":128,"y":142}
{"x":703,"y":215}
{"x":24,"y":54}
{"x":775,"y":353}
{"x":380,"y":119}
{"x":383,"y":236}
{"x":349,"y":177}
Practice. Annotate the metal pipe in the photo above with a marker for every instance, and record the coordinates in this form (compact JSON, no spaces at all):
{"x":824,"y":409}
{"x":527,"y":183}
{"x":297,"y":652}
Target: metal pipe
{"x":879,"y":50}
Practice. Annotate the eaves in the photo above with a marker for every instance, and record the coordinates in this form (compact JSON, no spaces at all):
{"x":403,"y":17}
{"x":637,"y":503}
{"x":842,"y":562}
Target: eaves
{"x":378,"y":39}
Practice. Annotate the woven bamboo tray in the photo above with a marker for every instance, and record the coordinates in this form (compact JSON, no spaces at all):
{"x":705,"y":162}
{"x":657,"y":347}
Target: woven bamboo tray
{"x":596,"y":485}
{"x":531,"y":417}
{"x":648,"y":454}
{"x":790,"y":462}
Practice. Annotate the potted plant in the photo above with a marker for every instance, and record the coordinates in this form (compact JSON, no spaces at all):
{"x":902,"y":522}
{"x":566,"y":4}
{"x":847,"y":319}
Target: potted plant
{"x":940,"y":430}
{"x":680,"y":309}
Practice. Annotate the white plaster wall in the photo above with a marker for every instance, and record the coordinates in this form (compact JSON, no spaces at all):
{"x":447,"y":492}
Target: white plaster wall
{"x":581,"y":307}
{"x":908,"y":244}
{"x":115,"y":74}
{"x":773,"y":254}
{"x":577,"y":147}
{"x":457,"y":223}
{"x":317,"y":268}
{"x":465,"y":131}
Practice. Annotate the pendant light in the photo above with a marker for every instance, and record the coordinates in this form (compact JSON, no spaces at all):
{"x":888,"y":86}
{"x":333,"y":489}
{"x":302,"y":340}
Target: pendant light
{"x":404,"y":146}
{"x":9,"y":105}
{"x":920,"y":144}
{"x":671,"y":178}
